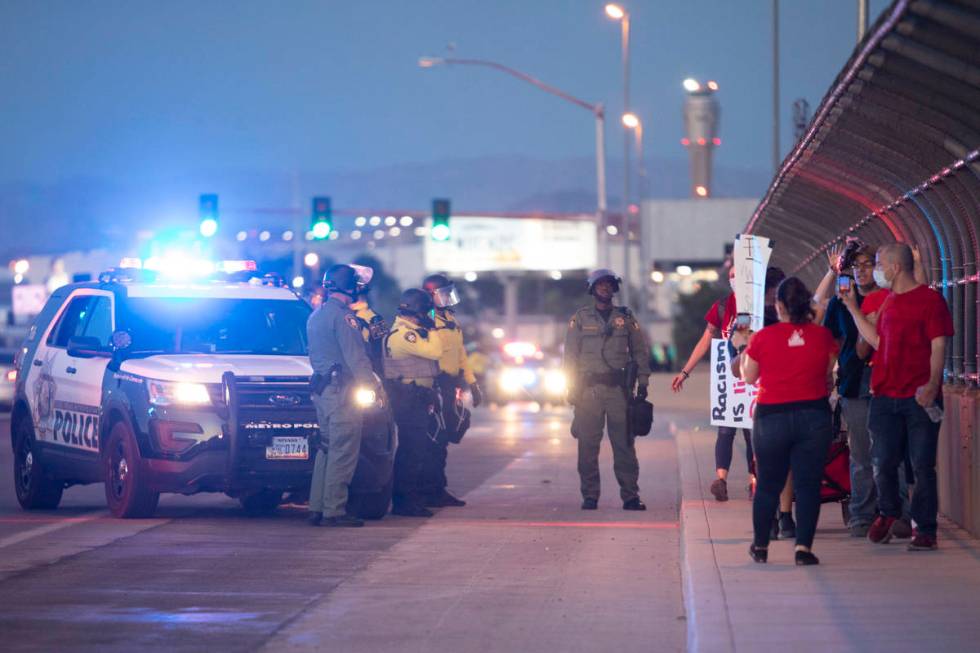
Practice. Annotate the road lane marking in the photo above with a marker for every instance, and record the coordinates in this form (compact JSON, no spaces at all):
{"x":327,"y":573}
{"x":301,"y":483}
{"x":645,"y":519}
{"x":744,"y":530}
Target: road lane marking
{"x":656,"y":525}
{"x":50,"y":528}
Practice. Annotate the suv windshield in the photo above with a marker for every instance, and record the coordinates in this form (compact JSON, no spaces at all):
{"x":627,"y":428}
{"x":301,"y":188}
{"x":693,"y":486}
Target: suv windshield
{"x":216,"y":326}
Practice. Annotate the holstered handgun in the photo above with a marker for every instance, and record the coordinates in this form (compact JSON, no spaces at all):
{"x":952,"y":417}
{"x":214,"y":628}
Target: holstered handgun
{"x":320,"y":382}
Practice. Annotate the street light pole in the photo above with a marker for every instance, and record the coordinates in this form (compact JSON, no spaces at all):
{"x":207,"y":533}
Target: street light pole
{"x":617,"y":12}
{"x":597,"y":110}
{"x":633,"y":123}
{"x":775,"y":87}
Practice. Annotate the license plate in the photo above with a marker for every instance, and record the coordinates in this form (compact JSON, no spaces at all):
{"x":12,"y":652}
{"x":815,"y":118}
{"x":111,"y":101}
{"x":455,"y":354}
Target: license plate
{"x":288,"y":448}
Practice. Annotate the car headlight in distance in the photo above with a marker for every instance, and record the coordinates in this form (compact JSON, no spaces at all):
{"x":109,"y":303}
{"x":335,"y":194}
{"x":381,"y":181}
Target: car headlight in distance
{"x":181,"y":393}
{"x":555,"y":382}
{"x":365,"y":397}
{"x":515,"y":379}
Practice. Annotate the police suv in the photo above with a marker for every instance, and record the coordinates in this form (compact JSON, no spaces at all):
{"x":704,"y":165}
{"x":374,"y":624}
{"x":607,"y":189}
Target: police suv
{"x":151,"y":385}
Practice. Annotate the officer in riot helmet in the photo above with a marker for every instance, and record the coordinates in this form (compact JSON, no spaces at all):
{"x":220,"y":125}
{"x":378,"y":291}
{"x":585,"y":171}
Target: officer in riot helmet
{"x":340,"y":365}
{"x":454,"y":375}
{"x":411,"y":351}
{"x":607,"y":364}
{"x":373,"y":326}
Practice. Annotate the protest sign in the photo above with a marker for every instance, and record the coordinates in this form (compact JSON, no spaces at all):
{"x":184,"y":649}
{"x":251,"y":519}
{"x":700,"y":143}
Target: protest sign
{"x":732,"y":400}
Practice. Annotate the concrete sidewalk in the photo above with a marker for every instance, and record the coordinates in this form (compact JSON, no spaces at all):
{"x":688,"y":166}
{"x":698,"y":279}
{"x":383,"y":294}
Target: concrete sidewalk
{"x":862,"y":597}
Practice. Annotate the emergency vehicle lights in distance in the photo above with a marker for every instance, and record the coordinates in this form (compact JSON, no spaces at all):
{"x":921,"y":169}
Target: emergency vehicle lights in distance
{"x":165,"y":393}
{"x":555,"y":382}
{"x":515,"y":379}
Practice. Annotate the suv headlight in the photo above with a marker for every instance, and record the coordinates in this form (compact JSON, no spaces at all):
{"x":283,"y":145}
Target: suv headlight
{"x":167,"y":393}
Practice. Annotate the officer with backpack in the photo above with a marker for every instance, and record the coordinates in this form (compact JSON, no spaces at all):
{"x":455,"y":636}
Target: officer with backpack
{"x":606,"y":357}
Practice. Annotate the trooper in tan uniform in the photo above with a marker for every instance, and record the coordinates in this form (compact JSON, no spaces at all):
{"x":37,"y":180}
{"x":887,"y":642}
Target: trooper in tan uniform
{"x":601,"y":343}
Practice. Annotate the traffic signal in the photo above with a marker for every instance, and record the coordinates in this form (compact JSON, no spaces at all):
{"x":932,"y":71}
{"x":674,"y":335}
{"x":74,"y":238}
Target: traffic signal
{"x":440,"y":219}
{"x":322,"y":222}
{"x":208,"y":211}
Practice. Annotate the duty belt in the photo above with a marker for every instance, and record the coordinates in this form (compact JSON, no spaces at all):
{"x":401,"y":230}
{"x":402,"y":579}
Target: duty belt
{"x":617,"y":378}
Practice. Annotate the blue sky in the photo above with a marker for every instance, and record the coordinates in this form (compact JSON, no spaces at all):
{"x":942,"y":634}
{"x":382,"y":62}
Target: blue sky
{"x":137,"y":90}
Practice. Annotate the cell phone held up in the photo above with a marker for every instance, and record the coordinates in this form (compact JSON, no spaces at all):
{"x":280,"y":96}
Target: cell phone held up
{"x":844,"y":283}
{"x":743,"y":321}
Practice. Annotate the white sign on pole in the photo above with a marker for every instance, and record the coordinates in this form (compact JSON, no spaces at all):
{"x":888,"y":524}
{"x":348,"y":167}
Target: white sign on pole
{"x":751,"y":260}
{"x":28,"y":299}
{"x":520,"y":244}
{"x":732,"y":400}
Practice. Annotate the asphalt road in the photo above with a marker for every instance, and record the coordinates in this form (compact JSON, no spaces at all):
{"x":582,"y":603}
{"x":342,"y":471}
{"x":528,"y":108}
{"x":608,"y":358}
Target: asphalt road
{"x":520,"y":568}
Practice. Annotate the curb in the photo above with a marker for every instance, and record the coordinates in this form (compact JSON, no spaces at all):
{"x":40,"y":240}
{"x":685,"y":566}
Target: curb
{"x":709,"y":626}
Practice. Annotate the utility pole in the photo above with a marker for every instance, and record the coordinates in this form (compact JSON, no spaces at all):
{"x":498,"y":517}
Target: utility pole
{"x":776,"y":158}
{"x":862,"y":18}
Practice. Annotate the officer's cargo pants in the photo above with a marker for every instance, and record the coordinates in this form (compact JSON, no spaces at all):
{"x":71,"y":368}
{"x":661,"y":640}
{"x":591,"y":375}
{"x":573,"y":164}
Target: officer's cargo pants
{"x":336,"y":457}
{"x":605,"y":406}
{"x":411,"y":414}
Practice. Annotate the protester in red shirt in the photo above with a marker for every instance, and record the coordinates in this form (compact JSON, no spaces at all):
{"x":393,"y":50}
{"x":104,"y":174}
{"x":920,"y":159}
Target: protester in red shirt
{"x":909,"y":337}
{"x":719,"y":323}
{"x":792,"y":363}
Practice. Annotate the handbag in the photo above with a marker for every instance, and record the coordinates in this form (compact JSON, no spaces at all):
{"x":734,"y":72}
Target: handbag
{"x":640,"y":416}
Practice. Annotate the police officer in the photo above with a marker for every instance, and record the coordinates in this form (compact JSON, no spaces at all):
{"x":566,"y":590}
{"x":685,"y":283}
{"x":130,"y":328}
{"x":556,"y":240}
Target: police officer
{"x":373,"y":326}
{"x":339,"y":362}
{"x":412,"y":348}
{"x":454,"y":374}
{"x":602,"y":342}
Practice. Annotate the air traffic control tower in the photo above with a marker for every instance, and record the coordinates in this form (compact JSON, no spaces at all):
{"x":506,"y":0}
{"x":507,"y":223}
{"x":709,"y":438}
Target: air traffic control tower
{"x":701,"y":117}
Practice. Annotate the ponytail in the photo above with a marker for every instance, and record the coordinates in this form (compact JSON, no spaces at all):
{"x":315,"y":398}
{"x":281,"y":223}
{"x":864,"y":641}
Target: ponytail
{"x":795,"y":296}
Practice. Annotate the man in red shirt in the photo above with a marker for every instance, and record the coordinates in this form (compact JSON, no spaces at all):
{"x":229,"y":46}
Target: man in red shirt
{"x":909,"y":337}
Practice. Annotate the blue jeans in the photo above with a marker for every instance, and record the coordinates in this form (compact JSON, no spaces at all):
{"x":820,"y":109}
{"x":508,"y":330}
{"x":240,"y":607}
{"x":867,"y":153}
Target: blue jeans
{"x":724,"y":446}
{"x":796,"y":440}
{"x":902,"y":428}
{"x":864,"y":496}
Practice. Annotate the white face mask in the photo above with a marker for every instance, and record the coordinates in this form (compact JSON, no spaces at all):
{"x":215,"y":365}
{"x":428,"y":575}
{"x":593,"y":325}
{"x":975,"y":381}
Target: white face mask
{"x":880,"y":279}
{"x":731,"y":282}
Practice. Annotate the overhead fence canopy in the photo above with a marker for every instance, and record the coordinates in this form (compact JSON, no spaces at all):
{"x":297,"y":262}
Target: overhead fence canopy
{"x":892,"y":155}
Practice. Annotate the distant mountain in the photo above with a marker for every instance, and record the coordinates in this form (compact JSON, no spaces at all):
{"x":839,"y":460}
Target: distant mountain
{"x":89,"y":212}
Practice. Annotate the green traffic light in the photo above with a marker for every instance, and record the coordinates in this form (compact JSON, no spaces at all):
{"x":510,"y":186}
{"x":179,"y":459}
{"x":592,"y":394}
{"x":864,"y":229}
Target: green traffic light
{"x":321,"y":230}
{"x":440,"y":232}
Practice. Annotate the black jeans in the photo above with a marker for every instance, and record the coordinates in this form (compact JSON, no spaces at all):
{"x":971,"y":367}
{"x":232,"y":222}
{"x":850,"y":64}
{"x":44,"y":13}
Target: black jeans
{"x":724,"y":445}
{"x":796,"y":440}
{"x":900,"y":428}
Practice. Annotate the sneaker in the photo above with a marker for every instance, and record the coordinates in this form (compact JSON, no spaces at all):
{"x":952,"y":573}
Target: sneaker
{"x":343,"y":521}
{"x":590,"y":504}
{"x":805,"y":559}
{"x":720,"y":489}
{"x":758,"y":554}
{"x":880,"y":531}
{"x":634,"y":504}
{"x":787,"y":527}
{"x":902,"y":529}
{"x":859,"y":530}
{"x":443,"y":500}
{"x":923,"y":542}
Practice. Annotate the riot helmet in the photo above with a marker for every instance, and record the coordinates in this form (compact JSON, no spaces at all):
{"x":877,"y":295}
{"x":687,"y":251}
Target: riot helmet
{"x":443,"y":291}
{"x":415,"y":303}
{"x":364,"y":276}
{"x":341,"y":279}
{"x":603,"y":274}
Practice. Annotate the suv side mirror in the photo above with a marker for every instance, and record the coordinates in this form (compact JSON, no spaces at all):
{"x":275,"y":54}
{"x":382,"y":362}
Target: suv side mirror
{"x":86,"y":347}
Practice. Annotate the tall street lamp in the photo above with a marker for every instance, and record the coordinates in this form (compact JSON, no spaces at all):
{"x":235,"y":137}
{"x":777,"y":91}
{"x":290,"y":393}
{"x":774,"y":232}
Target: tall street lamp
{"x":617,"y":12}
{"x":633,"y":123}
{"x":596,"y":110}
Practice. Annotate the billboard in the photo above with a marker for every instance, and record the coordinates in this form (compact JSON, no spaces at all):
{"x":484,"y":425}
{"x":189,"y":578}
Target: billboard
{"x":480,"y":244}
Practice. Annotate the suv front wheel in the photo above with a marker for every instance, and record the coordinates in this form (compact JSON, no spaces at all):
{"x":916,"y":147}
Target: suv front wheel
{"x":124,"y":489}
{"x":35,"y":491}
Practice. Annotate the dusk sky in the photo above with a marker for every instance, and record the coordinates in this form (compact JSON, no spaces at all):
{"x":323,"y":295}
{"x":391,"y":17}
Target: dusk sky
{"x":135,"y":90}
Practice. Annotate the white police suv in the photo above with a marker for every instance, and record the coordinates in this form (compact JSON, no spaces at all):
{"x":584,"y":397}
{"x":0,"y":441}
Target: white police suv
{"x":150,"y":384}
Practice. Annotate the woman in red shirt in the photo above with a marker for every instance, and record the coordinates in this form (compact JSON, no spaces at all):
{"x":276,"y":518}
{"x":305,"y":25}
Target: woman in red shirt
{"x":792,"y":363}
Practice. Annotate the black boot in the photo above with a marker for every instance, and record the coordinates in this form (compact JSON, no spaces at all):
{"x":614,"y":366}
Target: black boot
{"x":411,"y":510}
{"x":634,"y":504}
{"x":343,"y":521}
{"x":315,"y":518}
{"x":590,"y":504}
{"x":443,"y":499}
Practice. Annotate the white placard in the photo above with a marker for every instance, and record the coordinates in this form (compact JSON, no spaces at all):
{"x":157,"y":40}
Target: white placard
{"x":521,"y":244}
{"x":28,"y":299}
{"x":751,"y":260}
{"x":732,"y":400}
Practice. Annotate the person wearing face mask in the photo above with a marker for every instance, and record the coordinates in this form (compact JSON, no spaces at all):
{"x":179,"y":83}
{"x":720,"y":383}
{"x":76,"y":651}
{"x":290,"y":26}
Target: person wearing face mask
{"x":791,"y":362}
{"x":606,"y":352}
{"x":909,"y":338}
